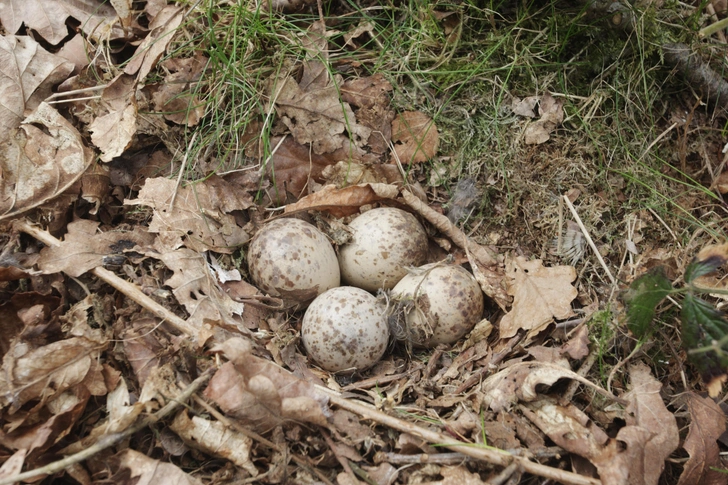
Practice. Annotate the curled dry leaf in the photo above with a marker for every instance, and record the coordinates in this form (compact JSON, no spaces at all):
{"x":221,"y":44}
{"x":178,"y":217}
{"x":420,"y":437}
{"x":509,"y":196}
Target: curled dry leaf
{"x":552,"y":114}
{"x":199,"y":213}
{"x":96,"y":19}
{"x":415,"y":137}
{"x":85,"y":248}
{"x":155,"y":43}
{"x":707,"y":424}
{"x":518,"y":383}
{"x":540,"y":294}
{"x":29,"y":74}
{"x":346,"y":201}
{"x":41,"y":160}
{"x":130,"y":466}
{"x":216,"y":439}
{"x":260,"y":393}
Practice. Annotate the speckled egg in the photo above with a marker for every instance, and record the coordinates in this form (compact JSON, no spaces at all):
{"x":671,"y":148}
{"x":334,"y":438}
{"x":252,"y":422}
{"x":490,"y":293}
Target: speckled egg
{"x":345,"y":329}
{"x":447,"y":305}
{"x":384,"y":242}
{"x":292,"y":259}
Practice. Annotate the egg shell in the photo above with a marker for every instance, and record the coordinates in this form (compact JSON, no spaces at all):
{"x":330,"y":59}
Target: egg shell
{"x":385,"y":241}
{"x":345,"y":329}
{"x":449,"y":303}
{"x":292,"y":259}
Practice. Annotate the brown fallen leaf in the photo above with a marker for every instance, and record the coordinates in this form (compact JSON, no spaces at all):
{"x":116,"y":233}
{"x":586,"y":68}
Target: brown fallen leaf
{"x":175,"y":96}
{"x":415,"y":137}
{"x":518,"y":383}
{"x":29,"y":74}
{"x":261,"y":394}
{"x":577,"y":346}
{"x":552,"y":114}
{"x":130,"y":466}
{"x":346,"y":201}
{"x":112,"y":131}
{"x":84,"y":248}
{"x":199,"y":213}
{"x":216,"y":439}
{"x":457,"y":475}
{"x":371,"y":96}
{"x":292,"y":166}
{"x":540,"y":294}
{"x":707,"y":424}
{"x":346,"y":173}
{"x":39,"y":161}
{"x":155,"y":43}
{"x":48,"y":17}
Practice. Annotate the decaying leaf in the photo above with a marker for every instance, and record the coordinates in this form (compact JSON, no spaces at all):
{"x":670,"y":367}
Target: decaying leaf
{"x":637,"y":455}
{"x":578,"y":345}
{"x":518,"y":383}
{"x":293,"y":165}
{"x":346,"y":201}
{"x":29,"y":74}
{"x":707,"y":424}
{"x":415,"y":137}
{"x":97,"y":19}
{"x":85,"y":248}
{"x":112,"y":132}
{"x":552,"y":114}
{"x":42,"y":159}
{"x":138,"y":467}
{"x":199,"y":213}
{"x":215,"y":438}
{"x":195,"y":287}
{"x":261,"y":394}
{"x":175,"y":96}
{"x":155,"y":43}
{"x":371,"y":96}
{"x":540,"y":294}
{"x":345,"y":173}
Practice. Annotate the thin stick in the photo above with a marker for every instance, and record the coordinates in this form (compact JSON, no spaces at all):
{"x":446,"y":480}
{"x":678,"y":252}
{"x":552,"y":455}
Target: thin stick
{"x":589,"y":239}
{"x":487,"y":454}
{"x":182,"y":170}
{"x":73,"y":100}
{"x":128,"y":289}
{"x":656,"y":140}
{"x":111,"y":439}
{"x":76,"y":91}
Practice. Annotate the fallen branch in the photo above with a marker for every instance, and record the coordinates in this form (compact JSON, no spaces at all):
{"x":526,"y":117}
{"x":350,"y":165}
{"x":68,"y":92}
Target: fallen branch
{"x":110,"y":440}
{"x":488,"y":454}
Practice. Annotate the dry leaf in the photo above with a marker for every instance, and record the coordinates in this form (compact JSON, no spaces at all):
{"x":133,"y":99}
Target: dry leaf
{"x":346,"y":201}
{"x":647,"y":411}
{"x":262,"y":394}
{"x":525,"y":107}
{"x":707,"y":424}
{"x":85,"y":248}
{"x":29,"y":74}
{"x":371,"y":96}
{"x":160,"y":35}
{"x":199,"y":213}
{"x":518,"y":383}
{"x":317,"y":116}
{"x":578,"y":345}
{"x":134,"y":467}
{"x":195,"y":287}
{"x":552,"y":114}
{"x":540,"y":294}
{"x":346,"y":173}
{"x":415,"y":137}
{"x":41,"y":160}
{"x":216,"y":439}
{"x":13,"y":465}
{"x":112,"y":131}
{"x":48,"y":17}
{"x":456,"y":475}
{"x":293,"y":165}
{"x":175,"y":96}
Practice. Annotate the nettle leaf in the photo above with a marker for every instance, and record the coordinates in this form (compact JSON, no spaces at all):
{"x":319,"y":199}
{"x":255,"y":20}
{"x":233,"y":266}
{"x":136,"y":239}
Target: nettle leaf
{"x":643,"y":296}
{"x":702,"y":326}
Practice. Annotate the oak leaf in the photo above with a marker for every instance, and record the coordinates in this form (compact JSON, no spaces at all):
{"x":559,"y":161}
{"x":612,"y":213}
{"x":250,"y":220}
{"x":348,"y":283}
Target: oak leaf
{"x":707,"y":424}
{"x":540,"y":294}
{"x":415,"y":137}
{"x":346,"y":201}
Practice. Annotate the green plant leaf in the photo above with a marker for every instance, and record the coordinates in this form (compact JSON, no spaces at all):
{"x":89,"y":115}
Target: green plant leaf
{"x":702,"y":327}
{"x":698,"y":268}
{"x":643,"y":296}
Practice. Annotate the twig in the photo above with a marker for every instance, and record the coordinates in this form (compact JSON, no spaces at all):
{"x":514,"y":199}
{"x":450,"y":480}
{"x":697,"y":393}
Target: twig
{"x":589,"y":239}
{"x":494,"y":361}
{"x":128,"y":289}
{"x":76,"y":91}
{"x":487,"y":454}
{"x":437,"y":458}
{"x":302,"y":462}
{"x":110,"y":440}
{"x":182,"y":170}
